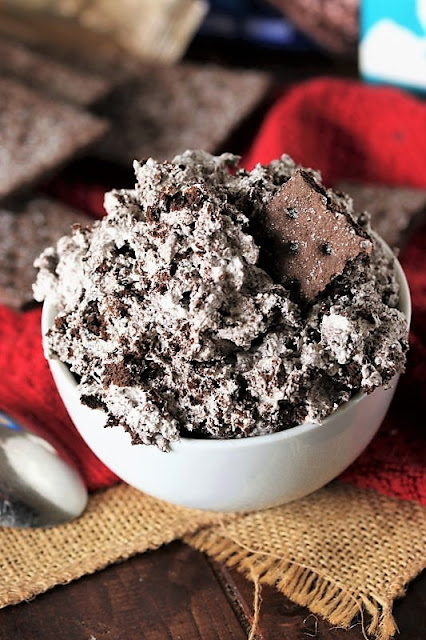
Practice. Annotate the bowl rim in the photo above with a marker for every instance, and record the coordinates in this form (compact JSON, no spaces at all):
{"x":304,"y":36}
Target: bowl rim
{"x":48,"y":314}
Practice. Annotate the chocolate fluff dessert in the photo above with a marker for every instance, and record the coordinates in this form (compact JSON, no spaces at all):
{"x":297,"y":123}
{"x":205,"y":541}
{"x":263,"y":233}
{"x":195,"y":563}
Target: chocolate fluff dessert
{"x":216,"y":302}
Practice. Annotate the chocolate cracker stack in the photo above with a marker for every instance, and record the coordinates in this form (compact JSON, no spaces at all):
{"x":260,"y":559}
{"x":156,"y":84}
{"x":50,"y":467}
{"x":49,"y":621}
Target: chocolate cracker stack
{"x":45,"y":123}
{"x":333,"y":24}
{"x":45,"y":74}
{"x":25,"y":231}
{"x":166,"y":110}
{"x":39,"y":132}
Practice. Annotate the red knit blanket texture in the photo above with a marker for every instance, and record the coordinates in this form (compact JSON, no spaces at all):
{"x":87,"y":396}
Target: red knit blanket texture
{"x":347,"y":130}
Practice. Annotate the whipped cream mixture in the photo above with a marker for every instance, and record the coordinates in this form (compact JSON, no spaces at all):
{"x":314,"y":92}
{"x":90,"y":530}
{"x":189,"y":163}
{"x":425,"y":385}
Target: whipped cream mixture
{"x":169,"y":319}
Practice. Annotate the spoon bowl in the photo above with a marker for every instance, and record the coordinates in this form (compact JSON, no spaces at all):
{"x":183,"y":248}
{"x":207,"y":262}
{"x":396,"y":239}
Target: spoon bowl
{"x":38,"y":486}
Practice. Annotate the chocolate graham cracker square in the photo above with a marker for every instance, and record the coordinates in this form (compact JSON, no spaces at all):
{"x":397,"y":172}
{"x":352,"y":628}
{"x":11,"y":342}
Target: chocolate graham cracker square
{"x":25,"y":230}
{"x":310,"y":236}
{"x":57,"y":79}
{"x":395,"y":211}
{"x":170,"y":109}
{"x":38,"y":134}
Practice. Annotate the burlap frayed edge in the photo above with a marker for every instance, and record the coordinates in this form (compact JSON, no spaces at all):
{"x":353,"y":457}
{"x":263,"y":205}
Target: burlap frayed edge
{"x":305,"y":586}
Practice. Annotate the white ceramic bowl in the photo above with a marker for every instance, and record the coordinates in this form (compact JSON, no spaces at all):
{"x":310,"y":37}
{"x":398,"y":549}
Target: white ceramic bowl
{"x":233,"y":475}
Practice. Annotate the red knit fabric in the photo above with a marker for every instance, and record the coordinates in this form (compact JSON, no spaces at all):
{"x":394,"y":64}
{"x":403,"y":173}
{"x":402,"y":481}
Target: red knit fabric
{"x":395,"y":461}
{"x":348,"y":130}
{"x":28,"y":393}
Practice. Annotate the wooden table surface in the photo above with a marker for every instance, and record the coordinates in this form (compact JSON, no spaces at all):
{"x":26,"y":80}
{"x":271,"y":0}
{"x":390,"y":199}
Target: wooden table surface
{"x":176,"y":593}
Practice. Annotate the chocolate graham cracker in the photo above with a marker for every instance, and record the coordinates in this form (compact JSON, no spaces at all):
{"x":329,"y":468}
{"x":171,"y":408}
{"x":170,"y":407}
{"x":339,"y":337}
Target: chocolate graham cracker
{"x":24,"y":232}
{"x":50,"y":76}
{"x":310,"y":237}
{"x":38,"y":134}
{"x":170,"y":109}
{"x":333,"y":24}
{"x":395,"y":211}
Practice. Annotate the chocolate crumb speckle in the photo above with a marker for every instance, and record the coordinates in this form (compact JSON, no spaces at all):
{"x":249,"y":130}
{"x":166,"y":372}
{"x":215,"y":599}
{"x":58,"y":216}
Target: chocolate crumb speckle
{"x":292,"y":213}
{"x":293,"y":247}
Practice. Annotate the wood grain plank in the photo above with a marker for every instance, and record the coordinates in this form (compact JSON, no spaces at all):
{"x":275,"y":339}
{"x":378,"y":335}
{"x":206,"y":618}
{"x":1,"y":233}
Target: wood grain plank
{"x":174,"y":594}
{"x":281,"y":619}
{"x":169,"y":594}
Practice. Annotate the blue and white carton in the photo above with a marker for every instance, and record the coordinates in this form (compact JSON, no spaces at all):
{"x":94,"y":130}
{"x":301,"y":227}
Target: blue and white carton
{"x":393,"y":42}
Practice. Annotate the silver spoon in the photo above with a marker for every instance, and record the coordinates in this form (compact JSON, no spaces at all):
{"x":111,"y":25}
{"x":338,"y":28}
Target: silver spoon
{"x":38,"y":486}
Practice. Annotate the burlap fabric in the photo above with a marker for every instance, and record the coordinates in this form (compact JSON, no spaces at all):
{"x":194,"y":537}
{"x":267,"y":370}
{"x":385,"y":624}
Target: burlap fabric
{"x":343,"y":552}
{"x":117,"y":523}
